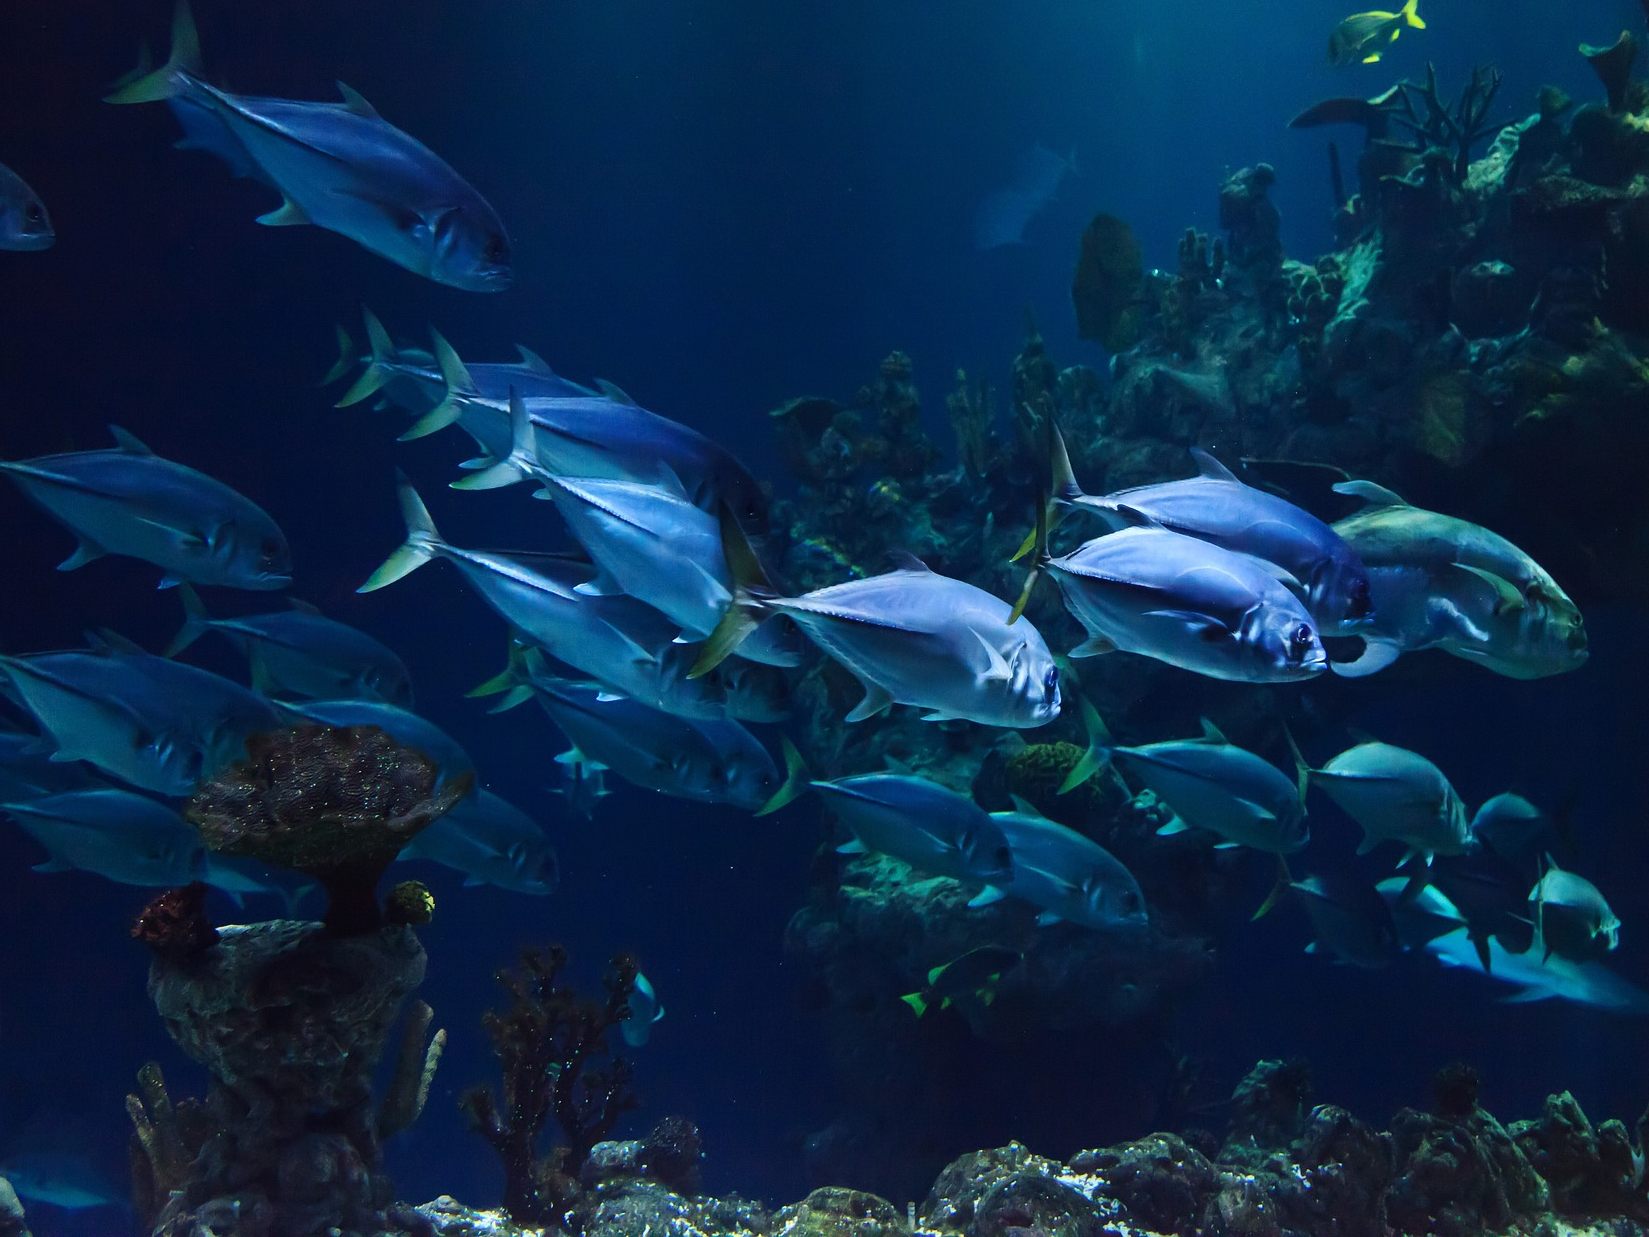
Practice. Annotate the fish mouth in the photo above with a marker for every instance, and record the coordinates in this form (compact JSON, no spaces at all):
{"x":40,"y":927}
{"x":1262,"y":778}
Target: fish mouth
{"x":492,"y":279}
{"x":274,"y":579}
{"x":33,"y":242}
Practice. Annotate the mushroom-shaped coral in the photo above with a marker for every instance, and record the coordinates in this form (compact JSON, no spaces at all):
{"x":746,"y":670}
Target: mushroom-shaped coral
{"x":335,"y":803}
{"x":1613,"y":66}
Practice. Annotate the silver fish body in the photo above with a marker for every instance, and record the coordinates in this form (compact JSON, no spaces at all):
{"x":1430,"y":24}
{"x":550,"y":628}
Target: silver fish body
{"x":492,"y":842}
{"x":27,"y":770}
{"x":1349,"y":921}
{"x":1572,"y":918}
{"x":1396,"y":795}
{"x":1442,"y":582}
{"x":127,"y":500}
{"x":1190,"y":603}
{"x":645,"y":1013}
{"x":1068,"y":876}
{"x":115,"y":834}
{"x":24,"y":224}
{"x":916,"y":637}
{"x":928,"y":826}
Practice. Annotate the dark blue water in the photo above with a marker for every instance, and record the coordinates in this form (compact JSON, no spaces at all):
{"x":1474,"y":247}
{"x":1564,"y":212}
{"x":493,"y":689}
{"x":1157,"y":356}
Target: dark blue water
{"x":717,"y":206}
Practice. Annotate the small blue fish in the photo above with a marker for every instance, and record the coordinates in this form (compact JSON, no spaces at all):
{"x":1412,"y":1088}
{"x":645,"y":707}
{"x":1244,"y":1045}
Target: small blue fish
{"x":24,"y":224}
{"x":928,"y":826}
{"x":645,"y":1013}
{"x":128,"y":500}
{"x":339,"y":166}
{"x":301,"y":652}
{"x":492,"y":842}
{"x":1396,"y":795}
{"x":1069,"y":877}
{"x":153,"y":723}
{"x":115,"y":834}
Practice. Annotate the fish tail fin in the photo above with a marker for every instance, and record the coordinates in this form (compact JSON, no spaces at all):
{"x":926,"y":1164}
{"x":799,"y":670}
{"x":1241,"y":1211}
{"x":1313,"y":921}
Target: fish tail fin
{"x":420,"y":546}
{"x":346,"y":357}
{"x":377,"y":372}
{"x":1285,"y":878}
{"x":1059,"y":478}
{"x":168,"y":80}
{"x":796,"y":778}
{"x":515,"y":466}
{"x":1302,"y":771}
{"x":1411,"y":16}
{"x":196,"y":621}
{"x":750,"y":587}
{"x":1098,"y":755}
{"x":511,"y":682}
{"x":915,"y":1001}
{"x":455,"y":377}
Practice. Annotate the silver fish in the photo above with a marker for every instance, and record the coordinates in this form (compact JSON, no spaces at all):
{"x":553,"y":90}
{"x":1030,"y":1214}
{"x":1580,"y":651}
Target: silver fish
{"x":645,"y":1013}
{"x":583,"y":787}
{"x":1543,"y":979}
{"x":24,"y":223}
{"x":115,"y":834}
{"x":910,"y":636}
{"x":928,"y":826}
{"x":65,"y":1180}
{"x":1396,"y":795}
{"x":1189,"y":603}
{"x":339,"y":166}
{"x":128,"y":500}
{"x":1067,"y":876}
{"x":1349,"y":921}
{"x":1442,"y":582}
{"x":1210,"y":784}
{"x":301,"y":652}
{"x":492,"y":842}
{"x":1217,"y":507}
{"x":405,"y":727}
{"x":1571,"y":916}
{"x":707,"y":761}
{"x":156,"y":724}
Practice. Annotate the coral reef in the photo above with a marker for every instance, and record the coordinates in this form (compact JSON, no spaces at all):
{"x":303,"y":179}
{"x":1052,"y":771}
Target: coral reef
{"x":174,"y":924}
{"x":558,"y":1063}
{"x":336,"y":804}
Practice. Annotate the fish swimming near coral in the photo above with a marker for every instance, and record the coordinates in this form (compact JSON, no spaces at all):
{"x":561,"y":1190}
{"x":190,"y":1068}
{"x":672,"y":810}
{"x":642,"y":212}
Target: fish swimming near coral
{"x":1396,"y":796}
{"x":24,"y":224}
{"x":1538,"y":979}
{"x":646,"y":1012}
{"x":1003,"y":215}
{"x":1217,"y":507}
{"x":301,"y":652}
{"x":66,"y":1180}
{"x":910,"y":636}
{"x":1070,"y":878}
{"x":1571,"y":916}
{"x":116,"y":834}
{"x":974,"y":974}
{"x":127,"y":500}
{"x":339,"y":166}
{"x":492,"y":842}
{"x":151,"y":722}
{"x":707,"y":761}
{"x":1442,"y":582}
{"x":1363,"y":38}
{"x":930,"y":827}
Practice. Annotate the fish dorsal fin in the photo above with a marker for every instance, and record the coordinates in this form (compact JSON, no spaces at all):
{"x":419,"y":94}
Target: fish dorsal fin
{"x":615,"y":392}
{"x":893,"y":764}
{"x":1133,"y":517}
{"x":936,"y":972}
{"x":355,"y":102}
{"x":1373,"y":495}
{"x":128,"y":441}
{"x":303,"y":607}
{"x":669,"y":480}
{"x":1211,"y":469}
{"x":531,"y":360}
{"x":1213,"y":733}
{"x":106,"y":641}
{"x":904,"y":560}
{"x":1025,"y":807}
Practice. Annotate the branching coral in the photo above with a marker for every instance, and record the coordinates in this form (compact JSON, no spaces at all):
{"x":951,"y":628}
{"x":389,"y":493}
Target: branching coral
{"x":1453,"y":128}
{"x":971,"y":414}
{"x":557,"y":1062}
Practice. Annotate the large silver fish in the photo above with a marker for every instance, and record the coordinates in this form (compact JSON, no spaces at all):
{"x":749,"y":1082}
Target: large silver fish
{"x":1349,"y":921}
{"x":492,"y":842}
{"x":707,"y":761}
{"x":1210,"y":784}
{"x":1216,"y":506}
{"x":128,"y":500}
{"x":153,"y":723}
{"x":1190,"y":603}
{"x":339,"y":166}
{"x":1068,"y":876}
{"x":607,"y":435}
{"x":910,"y":636}
{"x":626,"y":644}
{"x":1571,"y":916}
{"x":1442,"y":582}
{"x":928,"y":826}
{"x":115,"y":834}
{"x":24,"y":223}
{"x":1398,"y":796}
{"x":301,"y":652}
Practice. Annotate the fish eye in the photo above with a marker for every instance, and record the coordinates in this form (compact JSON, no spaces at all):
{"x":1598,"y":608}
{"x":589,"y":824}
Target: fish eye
{"x":1301,"y":640}
{"x":497,"y":250}
{"x":33,"y":213}
{"x":1050,"y":681}
{"x":1359,"y":603}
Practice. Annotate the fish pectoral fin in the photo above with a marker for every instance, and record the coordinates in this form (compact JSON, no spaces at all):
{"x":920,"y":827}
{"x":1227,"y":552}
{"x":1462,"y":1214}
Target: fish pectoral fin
{"x":1203,"y":626}
{"x":84,"y":553}
{"x":287,"y":215}
{"x":853,"y":846}
{"x":1094,"y":646}
{"x":1447,"y":619}
{"x":986,"y":896}
{"x":602,"y":585}
{"x":877,"y":700}
{"x":1507,"y":596}
{"x":1047,"y":919}
{"x":1376,"y":656}
{"x":996,"y":666}
{"x":939,"y":715}
{"x":1174,"y":825}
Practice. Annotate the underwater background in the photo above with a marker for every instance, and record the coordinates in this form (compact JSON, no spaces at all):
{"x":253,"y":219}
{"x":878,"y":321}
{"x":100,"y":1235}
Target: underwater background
{"x":720,"y":207}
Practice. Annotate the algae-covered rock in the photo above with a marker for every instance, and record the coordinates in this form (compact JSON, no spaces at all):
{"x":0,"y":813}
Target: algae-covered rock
{"x":1110,"y":275}
{"x":838,"y":1212}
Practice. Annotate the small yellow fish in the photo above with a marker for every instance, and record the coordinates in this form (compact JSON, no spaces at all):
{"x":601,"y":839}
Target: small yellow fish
{"x":1364,"y":37}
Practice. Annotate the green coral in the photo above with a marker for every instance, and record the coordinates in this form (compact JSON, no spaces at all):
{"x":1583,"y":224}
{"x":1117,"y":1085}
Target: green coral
{"x":1036,"y":772}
